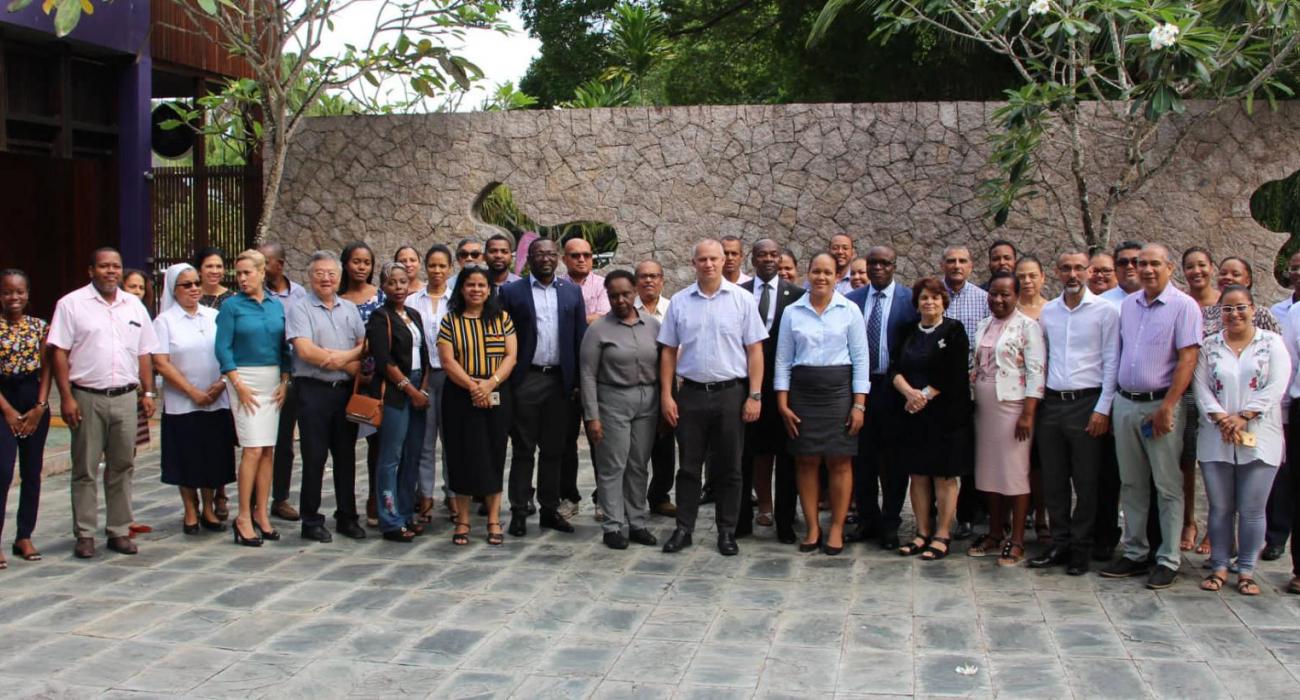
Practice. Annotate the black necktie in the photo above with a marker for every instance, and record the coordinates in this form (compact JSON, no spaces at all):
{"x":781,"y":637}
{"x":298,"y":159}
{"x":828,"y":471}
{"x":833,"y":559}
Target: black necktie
{"x":764,"y":302}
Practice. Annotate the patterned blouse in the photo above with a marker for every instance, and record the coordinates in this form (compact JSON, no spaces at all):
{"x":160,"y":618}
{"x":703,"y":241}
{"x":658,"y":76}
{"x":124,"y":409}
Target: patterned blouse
{"x":213,"y":301}
{"x":20,"y":345}
{"x":479,"y":345}
{"x":367,"y":308}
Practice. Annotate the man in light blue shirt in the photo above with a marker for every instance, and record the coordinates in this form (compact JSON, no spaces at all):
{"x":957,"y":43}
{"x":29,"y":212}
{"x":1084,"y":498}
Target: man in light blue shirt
{"x":713,"y":339}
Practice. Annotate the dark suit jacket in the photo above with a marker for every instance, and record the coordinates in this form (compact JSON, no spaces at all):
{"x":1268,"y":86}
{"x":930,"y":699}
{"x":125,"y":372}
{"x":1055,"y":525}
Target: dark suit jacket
{"x":786,"y":294}
{"x":902,"y":316}
{"x":517,"y":299}
{"x":397,"y":352}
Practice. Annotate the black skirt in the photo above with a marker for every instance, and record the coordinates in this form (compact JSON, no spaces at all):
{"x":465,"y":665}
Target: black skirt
{"x":198,"y":449}
{"x":475,"y":440}
{"x":822,"y":398}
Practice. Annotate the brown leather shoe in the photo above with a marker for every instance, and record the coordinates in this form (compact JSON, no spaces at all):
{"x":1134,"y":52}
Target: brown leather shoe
{"x":85,"y":548}
{"x":666,"y":509}
{"x":284,"y":511}
{"x":122,"y":545}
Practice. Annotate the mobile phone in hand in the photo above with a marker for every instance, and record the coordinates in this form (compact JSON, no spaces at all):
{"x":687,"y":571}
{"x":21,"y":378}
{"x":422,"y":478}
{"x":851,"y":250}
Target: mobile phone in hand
{"x":495,"y":398}
{"x":1148,"y":429}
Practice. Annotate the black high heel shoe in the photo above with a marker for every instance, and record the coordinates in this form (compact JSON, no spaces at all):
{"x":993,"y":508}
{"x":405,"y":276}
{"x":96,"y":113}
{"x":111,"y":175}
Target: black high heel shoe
{"x":211,"y":525}
{"x":189,"y":529}
{"x":806,"y":547}
{"x":246,"y":541}
{"x":271,"y":535}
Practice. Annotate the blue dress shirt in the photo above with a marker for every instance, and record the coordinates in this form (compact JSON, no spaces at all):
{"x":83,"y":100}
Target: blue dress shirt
{"x":546,"y":307}
{"x":712,"y":332}
{"x":835,"y":338}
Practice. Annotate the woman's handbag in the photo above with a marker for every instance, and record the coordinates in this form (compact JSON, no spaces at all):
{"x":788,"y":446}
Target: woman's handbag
{"x":364,"y":409}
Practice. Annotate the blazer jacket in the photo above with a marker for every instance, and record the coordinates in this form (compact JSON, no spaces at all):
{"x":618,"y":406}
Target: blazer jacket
{"x":517,"y":300}
{"x":902,"y":316}
{"x":786,"y":294}
{"x":397,"y":353}
{"x":1021,"y":356}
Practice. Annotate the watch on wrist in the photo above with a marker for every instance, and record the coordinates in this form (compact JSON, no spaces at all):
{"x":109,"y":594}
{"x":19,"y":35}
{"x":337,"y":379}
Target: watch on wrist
{"x":150,"y":395}
{"x":756,"y":396}
{"x":860,"y":407}
{"x":926,"y":392}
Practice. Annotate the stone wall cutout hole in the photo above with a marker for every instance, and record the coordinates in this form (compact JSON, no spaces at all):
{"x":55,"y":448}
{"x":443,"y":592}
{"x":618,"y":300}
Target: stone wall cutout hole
{"x":495,"y":206}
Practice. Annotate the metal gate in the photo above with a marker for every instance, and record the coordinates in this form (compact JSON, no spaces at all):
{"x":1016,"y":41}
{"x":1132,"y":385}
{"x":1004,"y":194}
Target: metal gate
{"x":196,"y":207}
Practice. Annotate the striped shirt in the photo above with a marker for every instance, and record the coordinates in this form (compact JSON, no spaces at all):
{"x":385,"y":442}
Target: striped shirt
{"x":1150,"y":336}
{"x":970,"y":306}
{"x":478,"y":346}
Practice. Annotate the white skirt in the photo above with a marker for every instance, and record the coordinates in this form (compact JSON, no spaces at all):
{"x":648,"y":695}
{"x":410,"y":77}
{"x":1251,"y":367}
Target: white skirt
{"x":261,"y":428}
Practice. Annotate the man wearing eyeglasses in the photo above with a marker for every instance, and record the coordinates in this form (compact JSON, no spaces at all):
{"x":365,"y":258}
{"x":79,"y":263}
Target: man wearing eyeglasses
{"x":663,"y":457}
{"x":1160,"y":332}
{"x":1126,"y":268}
{"x":578,"y":261}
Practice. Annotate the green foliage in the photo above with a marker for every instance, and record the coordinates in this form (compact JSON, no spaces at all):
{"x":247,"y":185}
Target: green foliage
{"x":638,"y":45}
{"x":1276,"y":206}
{"x":497,"y":207}
{"x":506,"y":97}
{"x":601,"y":93}
{"x":573,"y":46}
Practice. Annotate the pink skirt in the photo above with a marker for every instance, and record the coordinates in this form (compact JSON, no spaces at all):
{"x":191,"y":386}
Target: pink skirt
{"x":1001,"y":461}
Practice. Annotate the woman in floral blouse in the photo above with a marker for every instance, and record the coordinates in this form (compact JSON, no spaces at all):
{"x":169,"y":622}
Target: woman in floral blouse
{"x":24,"y":390}
{"x":1241,"y":376}
{"x":1009,"y":379}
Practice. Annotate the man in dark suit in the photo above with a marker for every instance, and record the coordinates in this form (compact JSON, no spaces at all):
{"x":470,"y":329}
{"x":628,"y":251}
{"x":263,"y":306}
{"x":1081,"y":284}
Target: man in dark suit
{"x":887,"y":309}
{"x":765,"y":438}
{"x":550,"y":318}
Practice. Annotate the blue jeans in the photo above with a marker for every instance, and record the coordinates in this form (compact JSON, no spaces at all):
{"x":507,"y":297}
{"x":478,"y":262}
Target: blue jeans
{"x":401,"y":438}
{"x":1241,"y":490}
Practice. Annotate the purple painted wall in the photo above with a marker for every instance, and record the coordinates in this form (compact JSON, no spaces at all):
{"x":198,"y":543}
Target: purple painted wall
{"x":122,"y":25}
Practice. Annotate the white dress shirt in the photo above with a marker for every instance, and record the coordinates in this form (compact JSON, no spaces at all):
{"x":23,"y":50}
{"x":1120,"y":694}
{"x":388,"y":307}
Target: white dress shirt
{"x":1254,"y":382}
{"x":188,"y":343}
{"x":661,"y":308}
{"x":430,"y":317}
{"x":1082,"y":346}
{"x":773,"y":285}
{"x":1114,"y":295}
{"x":711,"y":333}
{"x":1282,"y":311}
{"x":880,"y":345}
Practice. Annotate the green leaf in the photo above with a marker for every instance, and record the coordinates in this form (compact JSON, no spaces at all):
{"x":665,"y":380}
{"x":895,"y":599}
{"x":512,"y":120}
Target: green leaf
{"x":370,"y":78}
{"x":17,"y":5}
{"x":66,"y":17}
{"x":208,"y":6}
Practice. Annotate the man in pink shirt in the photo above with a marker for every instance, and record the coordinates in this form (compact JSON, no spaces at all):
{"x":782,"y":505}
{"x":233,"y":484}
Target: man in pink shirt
{"x":578,"y":262}
{"x":101,"y":339}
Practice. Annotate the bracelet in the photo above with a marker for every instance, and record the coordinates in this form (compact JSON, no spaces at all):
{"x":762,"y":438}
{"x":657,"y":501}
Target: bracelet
{"x":42,"y":404}
{"x":860,"y":407}
{"x":496,"y":379}
{"x":150,"y":395}
{"x":404,"y":383}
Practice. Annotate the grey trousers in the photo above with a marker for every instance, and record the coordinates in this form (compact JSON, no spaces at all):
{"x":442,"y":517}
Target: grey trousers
{"x":629,"y":417}
{"x":1071,"y":464}
{"x":1142,"y":460}
{"x":432,"y":431}
{"x":107,"y":428}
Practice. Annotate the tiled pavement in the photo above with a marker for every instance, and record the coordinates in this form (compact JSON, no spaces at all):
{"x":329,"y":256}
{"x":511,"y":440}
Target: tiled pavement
{"x":561,"y":616}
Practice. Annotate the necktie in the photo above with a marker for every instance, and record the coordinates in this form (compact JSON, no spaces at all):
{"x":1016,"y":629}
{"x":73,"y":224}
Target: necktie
{"x":873,"y":330}
{"x":765,"y":302}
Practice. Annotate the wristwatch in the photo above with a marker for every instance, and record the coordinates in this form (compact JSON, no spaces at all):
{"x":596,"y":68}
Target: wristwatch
{"x":860,"y":407}
{"x":926,"y":392}
{"x":150,"y":395}
{"x":756,"y":396}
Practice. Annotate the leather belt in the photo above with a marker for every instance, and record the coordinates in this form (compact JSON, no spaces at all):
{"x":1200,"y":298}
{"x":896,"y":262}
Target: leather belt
{"x":711,"y":386}
{"x":1073,"y":394}
{"x":1144,"y":395}
{"x":115,"y":391}
{"x":545,"y":369}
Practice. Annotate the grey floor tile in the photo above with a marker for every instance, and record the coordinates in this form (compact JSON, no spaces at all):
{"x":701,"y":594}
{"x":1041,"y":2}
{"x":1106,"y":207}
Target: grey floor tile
{"x":1262,"y":679}
{"x":181,"y":671}
{"x":1087,"y":639}
{"x":581,"y":658}
{"x":130,"y":621}
{"x":631,"y":690}
{"x":1282,"y":642}
{"x":445,"y":647}
{"x":677,"y":624}
{"x":614,"y":618}
{"x":1016,"y":636}
{"x":477,"y":684}
{"x":1028,"y":676}
{"x":544,"y":687}
{"x":1105,"y":678}
{"x":1157,"y":641}
{"x":802,"y":669}
{"x":732,"y":665}
{"x":879,"y":633}
{"x":744,"y":626}
{"x":649,"y":659}
{"x":936,"y":674}
{"x":879,"y":672}
{"x":508,"y":651}
{"x":947,"y":635}
{"x":810,"y":629}
{"x":252,"y":677}
{"x":1181,"y":679}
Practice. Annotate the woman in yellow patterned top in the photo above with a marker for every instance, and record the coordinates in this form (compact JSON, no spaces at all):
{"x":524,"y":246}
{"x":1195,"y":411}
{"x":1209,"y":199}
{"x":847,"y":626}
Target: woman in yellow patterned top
{"x":476,"y":344}
{"x":24,"y":392}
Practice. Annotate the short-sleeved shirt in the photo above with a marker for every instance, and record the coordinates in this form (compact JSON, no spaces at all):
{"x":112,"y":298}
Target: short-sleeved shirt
{"x":336,"y":328}
{"x":1150,"y":336}
{"x":479,"y":346}
{"x":187,"y":341}
{"x":711,"y":332}
{"x":21,"y":344}
{"x":104,"y":339}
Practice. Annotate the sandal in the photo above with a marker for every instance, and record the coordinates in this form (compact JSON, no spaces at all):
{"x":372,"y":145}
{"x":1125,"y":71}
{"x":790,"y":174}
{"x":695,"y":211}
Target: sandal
{"x":914,"y":548}
{"x":932,"y":554}
{"x":983,"y":546}
{"x":496,"y":536}
{"x":1009,"y":556}
{"x":1247,"y":586}
{"x":27,"y":552}
{"x":1213,"y":583}
{"x":764,"y":519}
{"x":1188,"y":542}
{"x":426,"y":511}
{"x":460,"y":537}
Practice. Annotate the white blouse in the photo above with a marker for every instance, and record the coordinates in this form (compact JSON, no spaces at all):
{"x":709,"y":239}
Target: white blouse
{"x":188,"y":342}
{"x":1255,"y":382}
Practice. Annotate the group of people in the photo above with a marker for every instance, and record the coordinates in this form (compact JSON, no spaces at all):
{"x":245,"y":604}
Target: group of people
{"x":844,"y":391}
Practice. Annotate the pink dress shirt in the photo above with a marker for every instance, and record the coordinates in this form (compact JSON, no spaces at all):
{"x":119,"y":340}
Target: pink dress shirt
{"x":593,"y":294}
{"x":104,"y":341}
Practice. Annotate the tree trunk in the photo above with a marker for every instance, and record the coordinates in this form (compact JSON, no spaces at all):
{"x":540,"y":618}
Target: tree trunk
{"x":278,"y":138}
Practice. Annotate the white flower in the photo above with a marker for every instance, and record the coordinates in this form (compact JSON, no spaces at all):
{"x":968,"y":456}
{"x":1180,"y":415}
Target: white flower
{"x":980,"y":7}
{"x":1039,"y":7}
{"x":1163,"y":36}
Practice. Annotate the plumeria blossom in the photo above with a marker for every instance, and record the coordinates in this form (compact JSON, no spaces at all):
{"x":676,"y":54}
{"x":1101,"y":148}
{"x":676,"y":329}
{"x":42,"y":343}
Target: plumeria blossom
{"x":1039,"y":7}
{"x":980,"y":7}
{"x":1163,"y":36}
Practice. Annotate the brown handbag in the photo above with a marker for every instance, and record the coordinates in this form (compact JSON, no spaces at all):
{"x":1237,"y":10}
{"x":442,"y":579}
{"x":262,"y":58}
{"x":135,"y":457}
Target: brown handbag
{"x":364,"y":409}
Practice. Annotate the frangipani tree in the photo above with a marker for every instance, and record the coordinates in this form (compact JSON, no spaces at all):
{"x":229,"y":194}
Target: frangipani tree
{"x":1113,"y":75}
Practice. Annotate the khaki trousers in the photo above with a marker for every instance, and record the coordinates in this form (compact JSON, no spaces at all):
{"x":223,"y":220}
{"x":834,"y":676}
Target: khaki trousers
{"x":107,"y":429}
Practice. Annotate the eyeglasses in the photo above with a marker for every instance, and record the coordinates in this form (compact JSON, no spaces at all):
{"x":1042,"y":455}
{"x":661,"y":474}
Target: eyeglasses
{"x":650,"y":276}
{"x":1126,"y":262}
{"x":324,"y":274}
{"x":1072,"y":268}
{"x":876,"y":262}
{"x":1104,"y":270}
{"x":186,"y":285}
{"x":580,"y":256}
{"x":462,"y":254}
{"x":1235,"y":308}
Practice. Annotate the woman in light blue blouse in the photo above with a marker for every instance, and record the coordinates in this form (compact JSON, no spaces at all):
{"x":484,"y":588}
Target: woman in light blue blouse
{"x":254,"y":359}
{"x":823,"y":373}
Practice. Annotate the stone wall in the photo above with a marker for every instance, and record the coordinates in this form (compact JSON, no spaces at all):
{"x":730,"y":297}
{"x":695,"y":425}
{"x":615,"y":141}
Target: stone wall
{"x":902,"y":173}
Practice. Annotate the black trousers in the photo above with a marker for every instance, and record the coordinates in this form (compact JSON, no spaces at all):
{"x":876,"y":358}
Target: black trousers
{"x":1280,"y":511}
{"x":710,"y":421}
{"x":21,"y":391}
{"x":663,"y":462}
{"x":283,"y":461}
{"x":1071,"y":465}
{"x":326,"y":432}
{"x":876,"y":470}
{"x":540,"y":423}
{"x":1293,"y":457}
{"x":569,"y":463}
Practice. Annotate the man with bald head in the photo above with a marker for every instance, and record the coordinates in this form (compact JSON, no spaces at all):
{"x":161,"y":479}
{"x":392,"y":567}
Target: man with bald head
{"x":712,"y":338}
{"x":579,"y":261}
{"x":1160,"y":331}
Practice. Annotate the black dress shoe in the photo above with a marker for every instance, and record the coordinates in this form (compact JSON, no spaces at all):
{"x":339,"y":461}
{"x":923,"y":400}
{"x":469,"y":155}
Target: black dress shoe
{"x":1125,"y":567}
{"x":317,"y":533}
{"x":727,"y":546}
{"x":643,"y":536}
{"x":889,"y":540}
{"x":680,"y":539}
{"x":532,"y":508}
{"x":786,"y":535}
{"x":212,"y":525}
{"x":518,"y":524}
{"x":1054,"y":556}
{"x":1162,"y":577}
{"x":1272,"y":552}
{"x":1079,"y":563}
{"x":862,"y":533}
{"x":615,"y":540}
{"x":350,"y":529}
{"x":554,"y":521}
{"x":964,"y":531}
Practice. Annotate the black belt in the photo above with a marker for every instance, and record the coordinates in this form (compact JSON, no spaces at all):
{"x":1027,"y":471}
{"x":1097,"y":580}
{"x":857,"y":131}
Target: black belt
{"x":115,"y":391}
{"x":1144,"y":395}
{"x":1073,"y":394}
{"x":712,"y":386}
{"x":625,"y":386}
{"x":336,"y":384}
{"x":545,"y":369}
